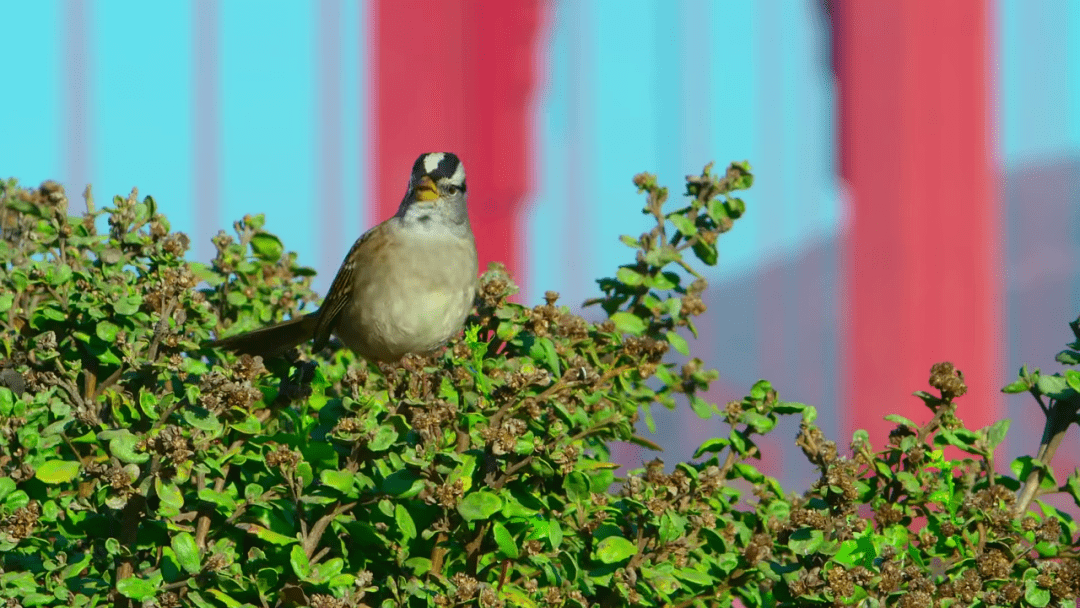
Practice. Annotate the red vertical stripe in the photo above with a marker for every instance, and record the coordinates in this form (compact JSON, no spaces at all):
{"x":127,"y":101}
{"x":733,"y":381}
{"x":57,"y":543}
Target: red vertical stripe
{"x":206,"y":144}
{"x":922,"y":257}
{"x":456,"y":76}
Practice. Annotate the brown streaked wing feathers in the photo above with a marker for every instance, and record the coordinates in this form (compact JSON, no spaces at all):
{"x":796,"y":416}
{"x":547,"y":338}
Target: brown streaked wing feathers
{"x":341,"y":291}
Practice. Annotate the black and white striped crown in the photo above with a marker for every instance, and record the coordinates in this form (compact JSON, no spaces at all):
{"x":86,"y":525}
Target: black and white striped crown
{"x":439,"y":165}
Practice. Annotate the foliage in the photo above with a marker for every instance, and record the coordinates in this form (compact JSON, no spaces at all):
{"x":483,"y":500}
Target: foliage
{"x":136,"y":466}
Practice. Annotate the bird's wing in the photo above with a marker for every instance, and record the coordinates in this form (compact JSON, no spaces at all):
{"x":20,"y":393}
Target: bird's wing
{"x":341,"y":290}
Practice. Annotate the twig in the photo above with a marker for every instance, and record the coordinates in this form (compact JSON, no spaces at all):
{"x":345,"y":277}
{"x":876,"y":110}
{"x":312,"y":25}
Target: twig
{"x":1061,"y":415}
{"x":311,"y":541}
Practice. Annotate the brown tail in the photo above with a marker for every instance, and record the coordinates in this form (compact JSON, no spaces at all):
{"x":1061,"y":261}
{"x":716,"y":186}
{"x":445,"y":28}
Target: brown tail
{"x":271,"y":341}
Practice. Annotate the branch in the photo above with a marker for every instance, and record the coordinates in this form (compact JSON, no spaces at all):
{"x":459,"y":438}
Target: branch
{"x":1061,"y":415}
{"x":313,"y":537}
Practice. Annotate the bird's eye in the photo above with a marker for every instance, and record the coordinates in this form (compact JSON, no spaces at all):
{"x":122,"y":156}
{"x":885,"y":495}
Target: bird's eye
{"x":452,"y":189}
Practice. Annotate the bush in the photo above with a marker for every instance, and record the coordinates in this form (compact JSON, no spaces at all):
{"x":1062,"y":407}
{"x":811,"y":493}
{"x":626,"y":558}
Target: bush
{"x":136,"y":466}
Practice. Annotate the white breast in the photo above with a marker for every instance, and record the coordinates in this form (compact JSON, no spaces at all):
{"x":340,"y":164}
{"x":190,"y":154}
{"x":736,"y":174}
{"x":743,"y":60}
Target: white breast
{"x":418,"y":306}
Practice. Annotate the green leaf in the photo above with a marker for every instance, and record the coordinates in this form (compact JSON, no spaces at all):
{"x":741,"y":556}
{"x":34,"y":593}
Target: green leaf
{"x":706,"y":252}
{"x":479,"y":505}
{"x":672,"y":526}
{"x":199,"y":601}
{"x":16,"y":500}
{"x":662,"y":581}
{"x":1072,"y":486}
{"x":629,"y":276}
{"x":1024,"y":465}
{"x":712,"y":446}
{"x":683,"y":224}
{"x":695,"y":577}
{"x":405,"y":523}
{"x":57,"y":471}
{"x":299,"y":562}
{"x":124,"y":445}
{"x":576,"y":486}
{"x":7,"y":486}
{"x":199,"y":418}
{"x":1072,"y":378}
{"x":504,"y":540}
{"x":995,"y":434}
{"x":555,"y":533}
{"x":203,"y":272}
{"x":628,"y":323}
{"x":1016,"y":386}
{"x":267,"y":246}
{"x":384,"y":438}
{"x":267,"y":534}
{"x":106,"y":331}
{"x":663,"y":281}
{"x":6,"y":300}
{"x":702,"y":408}
{"x":678,"y":343}
{"x":615,"y":549}
{"x":898,"y":419}
{"x":538,"y":527}
{"x":187,"y":552}
{"x":134,"y":588}
{"x":789,"y":407}
{"x":342,"y":481}
{"x":760,"y":389}
{"x":172,"y":500}
{"x":1065,"y":357}
{"x":749,"y":472}
{"x":961,"y":438}
{"x":1035,"y":595}
{"x":221,"y":499}
{"x":127,"y":305}
{"x":420,"y":565}
{"x":249,"y":425}
{"x":805,"y":541}
{"x":546,"y":353}
{"x":1054,"y":386}
{"x":226,"y":599}
{"x":759,"y":422}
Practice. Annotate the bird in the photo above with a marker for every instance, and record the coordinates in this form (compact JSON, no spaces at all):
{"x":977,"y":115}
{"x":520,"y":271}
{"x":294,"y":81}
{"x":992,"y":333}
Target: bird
{"x":405,"y":287}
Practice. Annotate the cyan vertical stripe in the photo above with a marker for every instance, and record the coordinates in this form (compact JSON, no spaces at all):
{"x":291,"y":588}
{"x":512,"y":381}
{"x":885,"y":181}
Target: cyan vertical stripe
{"x":1036,"y":122}
{"x":356,"y":126}
{"x":31,"y":114}
{"x":329,"y":39}
{"x":627,"y":132}
{"x":736,"y":116}
{"x":563,"y":208}
{"x":268,"y":129}
{"x":142,"y":109}
{"x":695,"y":100}
{"x":1072,"y":73}
{"x":545,"y":213}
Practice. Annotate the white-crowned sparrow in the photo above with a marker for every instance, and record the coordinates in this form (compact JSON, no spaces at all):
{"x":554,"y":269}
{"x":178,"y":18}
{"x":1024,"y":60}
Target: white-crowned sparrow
{"x":406,"y":285}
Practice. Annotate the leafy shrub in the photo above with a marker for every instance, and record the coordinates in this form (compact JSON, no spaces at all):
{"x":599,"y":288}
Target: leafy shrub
{"x":138,"y":467}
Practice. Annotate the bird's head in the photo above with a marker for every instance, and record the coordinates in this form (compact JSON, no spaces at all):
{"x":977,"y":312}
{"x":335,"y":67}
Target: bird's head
{"x":437,"y":191}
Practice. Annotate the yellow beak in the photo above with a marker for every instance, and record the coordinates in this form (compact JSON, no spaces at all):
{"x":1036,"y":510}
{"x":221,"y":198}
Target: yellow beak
{"x":425,"y":189}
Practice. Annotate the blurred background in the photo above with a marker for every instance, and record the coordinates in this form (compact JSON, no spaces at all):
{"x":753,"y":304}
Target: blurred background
{"x":917,"y":174}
